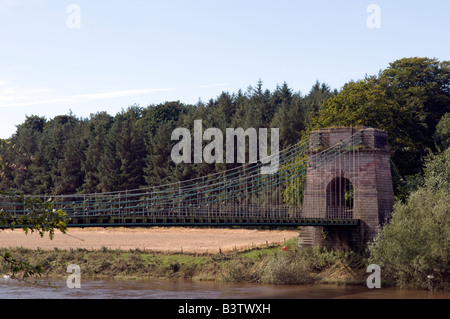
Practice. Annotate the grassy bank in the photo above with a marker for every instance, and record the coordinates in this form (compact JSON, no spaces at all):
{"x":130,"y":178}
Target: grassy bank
{"x":269,"y":265}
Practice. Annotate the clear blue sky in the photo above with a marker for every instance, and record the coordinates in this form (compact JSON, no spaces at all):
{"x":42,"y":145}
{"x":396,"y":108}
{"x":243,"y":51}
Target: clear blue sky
{"x":147,"y":52}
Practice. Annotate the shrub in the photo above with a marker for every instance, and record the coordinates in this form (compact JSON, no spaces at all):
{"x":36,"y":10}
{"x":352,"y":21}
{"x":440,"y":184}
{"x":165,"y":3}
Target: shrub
{"x":239,"y":269}
{"x":416,"y":242}
{"x":287,"y":268}
{"x":415,"y":245}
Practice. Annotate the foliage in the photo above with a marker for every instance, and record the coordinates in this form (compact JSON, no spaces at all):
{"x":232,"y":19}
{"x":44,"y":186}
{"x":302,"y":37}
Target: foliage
{"x":17,"y":269}
{"x":437,"y":171}
{"x":131,"y":149}
{"x":442,"y":134}
{"x":288,"y":268}
{"x":239,"y":269}
{"x":416,"y":242}
{"x":407,"y":99}
{"x":294,"y":186}
{"x":269,"y":265}
{"x":38,"y":217}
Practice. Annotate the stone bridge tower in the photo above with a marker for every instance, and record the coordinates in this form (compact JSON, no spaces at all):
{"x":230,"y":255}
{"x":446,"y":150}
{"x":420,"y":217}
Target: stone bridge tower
{"x":356,"y":185}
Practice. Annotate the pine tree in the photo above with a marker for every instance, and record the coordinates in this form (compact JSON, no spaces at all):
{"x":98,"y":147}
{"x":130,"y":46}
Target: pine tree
{"x":159,"y":165}
{"x":98,"y":128}
{"x":226,"y":108}
{"x":71,"y":174}
{"x":6,"y":167}
{"x":131,"y":149}
{"x":40,"y":179}
{"x":319,"y":93}
{"x":110,"y":164}
{"x":288,"y":116}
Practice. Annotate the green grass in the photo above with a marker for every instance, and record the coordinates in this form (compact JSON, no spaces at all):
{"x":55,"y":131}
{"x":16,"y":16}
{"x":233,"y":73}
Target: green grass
{"x":269,"y":265}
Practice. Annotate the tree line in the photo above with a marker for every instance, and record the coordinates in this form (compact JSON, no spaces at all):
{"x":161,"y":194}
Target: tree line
{"x":103,"y":153}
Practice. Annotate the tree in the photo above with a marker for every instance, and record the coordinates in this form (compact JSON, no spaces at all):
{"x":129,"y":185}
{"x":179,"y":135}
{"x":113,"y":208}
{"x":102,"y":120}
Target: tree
{"x":6,"y":169}
{"x":71,"y":174}
{"x":416,"y":242}
{"x":226,"y":108}
{"x":288,"y":116}
{"x":442,"y":134}
{"x":40,"y":168}
{"x":407,"y":100}
{"x":56,"y":136}
{"x":250,"y":107}
{"x":110,"y":164}
{"x":20,"y":152}
{"x":313,"y":101}
{"x":159,"y":165}
{"x":437,"y":171}
{"x":156,"y":115}
{"x":421,"y":87}
{"x":131,"y":149}
{"x":98,"y":128}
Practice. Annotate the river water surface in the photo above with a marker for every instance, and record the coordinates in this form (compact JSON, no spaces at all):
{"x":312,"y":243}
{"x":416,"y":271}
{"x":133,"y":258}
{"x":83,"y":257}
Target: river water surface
{"x":166,"y":289}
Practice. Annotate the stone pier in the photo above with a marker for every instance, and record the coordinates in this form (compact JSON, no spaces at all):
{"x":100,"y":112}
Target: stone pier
{"x":357,"y":184}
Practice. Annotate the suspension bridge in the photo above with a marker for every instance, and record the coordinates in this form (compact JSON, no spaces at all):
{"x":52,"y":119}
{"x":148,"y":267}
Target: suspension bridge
{"x":241,"y":196}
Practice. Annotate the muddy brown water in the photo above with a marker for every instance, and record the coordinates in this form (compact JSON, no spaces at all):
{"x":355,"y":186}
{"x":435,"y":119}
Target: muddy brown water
{"x":186,"y":289}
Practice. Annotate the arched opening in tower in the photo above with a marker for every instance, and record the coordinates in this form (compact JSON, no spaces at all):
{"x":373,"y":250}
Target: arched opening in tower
{"x":340,"y":197}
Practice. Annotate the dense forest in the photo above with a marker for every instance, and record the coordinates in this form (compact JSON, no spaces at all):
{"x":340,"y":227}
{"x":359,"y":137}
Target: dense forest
{"x":102,"y":153}
{"x":132,"y":149}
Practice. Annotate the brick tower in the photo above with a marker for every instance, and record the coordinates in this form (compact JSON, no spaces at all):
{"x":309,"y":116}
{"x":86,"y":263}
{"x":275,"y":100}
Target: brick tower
{"x":356,"y":185}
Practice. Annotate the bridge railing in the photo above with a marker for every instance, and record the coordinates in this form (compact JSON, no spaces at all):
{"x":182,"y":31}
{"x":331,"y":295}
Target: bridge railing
{"x":339,"y":212}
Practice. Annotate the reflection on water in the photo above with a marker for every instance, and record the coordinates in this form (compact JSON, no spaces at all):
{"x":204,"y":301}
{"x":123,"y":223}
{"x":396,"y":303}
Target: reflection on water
{"x":154,"y":289}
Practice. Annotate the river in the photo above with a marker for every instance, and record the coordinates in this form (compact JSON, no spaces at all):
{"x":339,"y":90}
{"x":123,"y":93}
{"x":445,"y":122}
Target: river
{"x":186,"y":289}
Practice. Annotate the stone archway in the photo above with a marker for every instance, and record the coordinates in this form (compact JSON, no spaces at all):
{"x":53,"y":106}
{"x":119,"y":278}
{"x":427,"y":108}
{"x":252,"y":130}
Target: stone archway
{"x":339,"y":198}
{"x":353,"y":185}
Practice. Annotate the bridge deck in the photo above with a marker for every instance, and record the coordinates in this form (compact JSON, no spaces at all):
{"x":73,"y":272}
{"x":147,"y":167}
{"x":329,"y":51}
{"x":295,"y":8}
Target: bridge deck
{"x":131,"y":221}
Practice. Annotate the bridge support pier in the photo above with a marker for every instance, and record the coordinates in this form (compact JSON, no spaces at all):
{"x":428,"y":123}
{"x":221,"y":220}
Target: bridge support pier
{"x":335,"y":237}
{"x":357,"y":184}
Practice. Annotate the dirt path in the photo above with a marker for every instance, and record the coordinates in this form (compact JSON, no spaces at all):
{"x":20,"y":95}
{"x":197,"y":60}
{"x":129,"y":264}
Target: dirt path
{"x":164,"y":239}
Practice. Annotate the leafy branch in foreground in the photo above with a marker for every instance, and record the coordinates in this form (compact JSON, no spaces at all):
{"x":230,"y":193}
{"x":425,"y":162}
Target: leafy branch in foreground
{"x":17,"y":269}
{"x":34,"y":215}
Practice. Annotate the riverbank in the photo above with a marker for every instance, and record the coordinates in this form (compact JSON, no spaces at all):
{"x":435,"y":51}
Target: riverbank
{"x":269,"y":265}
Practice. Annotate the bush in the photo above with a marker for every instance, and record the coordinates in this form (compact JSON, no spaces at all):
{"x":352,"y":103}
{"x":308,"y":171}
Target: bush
{"x":288,"y":268}
{"x":437,"y":171}
{"x":415,"y":245}
{"x":239,"y":269}
{"x":416,"y":242}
